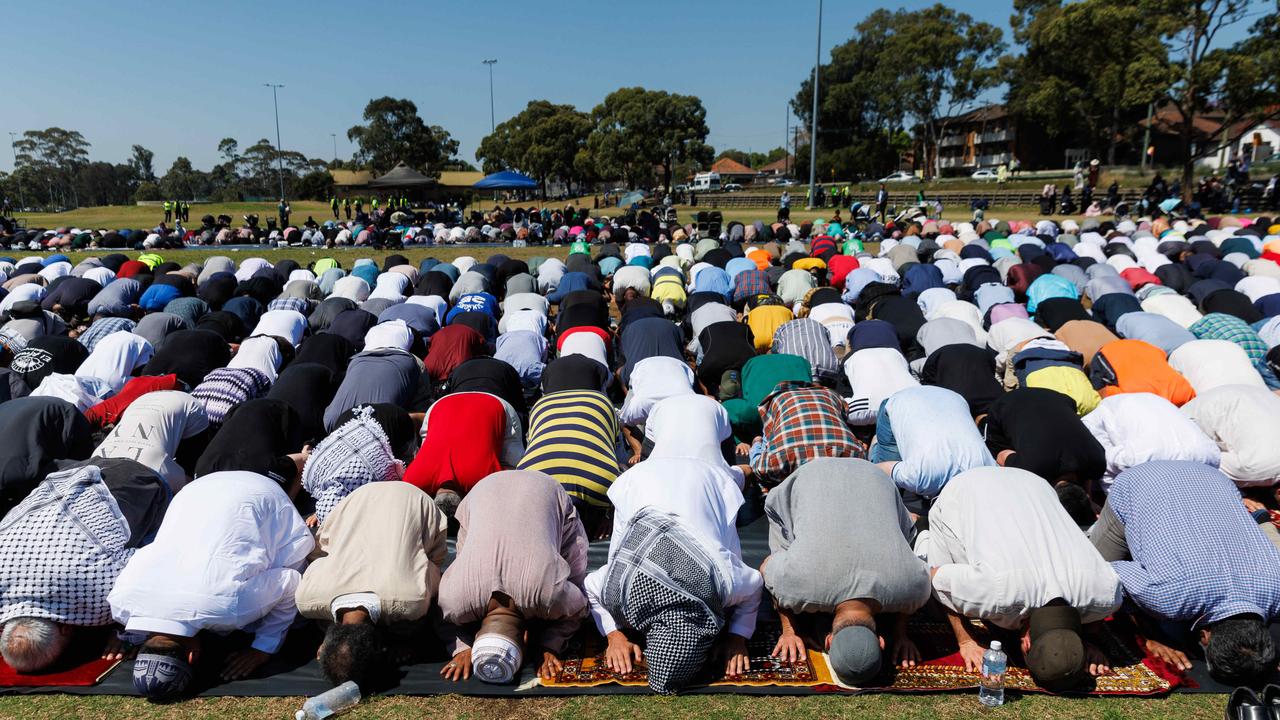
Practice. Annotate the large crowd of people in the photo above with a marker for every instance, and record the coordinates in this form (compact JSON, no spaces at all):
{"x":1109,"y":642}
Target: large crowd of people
{"x":1038,"y":426}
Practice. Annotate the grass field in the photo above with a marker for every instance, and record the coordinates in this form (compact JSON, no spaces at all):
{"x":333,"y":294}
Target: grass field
{"x":713,"y":707}
{"x":134,"y":216}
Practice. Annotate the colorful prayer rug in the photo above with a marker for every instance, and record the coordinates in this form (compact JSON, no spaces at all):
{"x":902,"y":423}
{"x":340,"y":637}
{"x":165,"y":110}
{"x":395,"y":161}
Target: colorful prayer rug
{"x":585,"y":666}
{"x":1133,"y":672}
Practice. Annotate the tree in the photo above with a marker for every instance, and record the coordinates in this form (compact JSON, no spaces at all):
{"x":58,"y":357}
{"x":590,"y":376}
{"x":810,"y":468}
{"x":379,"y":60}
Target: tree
{"x":938,"y":61}
{"x":542,"y":141}
{"x":754,"y":159}
{"x":637,"y":130}
{"x":394,"y":132}
{"x":229,"y":149}
{"x":182,"y":182}
{"x":860,"y":108}
{"x":54,"y":156}
{"x":315,"y":185}
{"x":141,"y":162}
{"x":1086,"y":91}
{"x":1250,"y":80}
{"x":101,"y":183}
{"x":1198,"y":68}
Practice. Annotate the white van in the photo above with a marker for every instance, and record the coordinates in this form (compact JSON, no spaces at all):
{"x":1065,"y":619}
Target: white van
{"x":706,"y":182}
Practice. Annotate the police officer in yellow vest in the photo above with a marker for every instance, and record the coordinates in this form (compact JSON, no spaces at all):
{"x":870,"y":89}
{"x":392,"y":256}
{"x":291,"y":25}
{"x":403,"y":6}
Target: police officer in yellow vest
{"x":333,"y":205}
{"x":373,"y":204}
{"x":168,"y":211}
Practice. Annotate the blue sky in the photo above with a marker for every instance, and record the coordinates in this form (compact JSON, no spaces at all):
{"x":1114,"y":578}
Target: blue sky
{"x":177,"y":77}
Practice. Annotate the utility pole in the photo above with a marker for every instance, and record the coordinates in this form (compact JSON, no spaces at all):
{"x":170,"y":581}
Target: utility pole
{"x":1146,"y":136}
{"x":491,"y":63}
{"x":786,"y":156}
{"x":13,"y":144}
{"x":279,"y":148}
{"x":813,"y":128}
{"x":334,"y":136}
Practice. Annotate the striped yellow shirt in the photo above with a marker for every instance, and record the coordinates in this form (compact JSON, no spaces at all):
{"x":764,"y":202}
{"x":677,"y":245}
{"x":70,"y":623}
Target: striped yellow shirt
{"x":573,"y":438}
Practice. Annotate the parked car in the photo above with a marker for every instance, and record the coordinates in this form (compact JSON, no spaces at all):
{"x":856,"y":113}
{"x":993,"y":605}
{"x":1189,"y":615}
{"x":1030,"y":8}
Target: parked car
{"x":901,"y":176}
{"x":681,"y":189}
{"x":985,"y":175}
{"x":732,"y":187}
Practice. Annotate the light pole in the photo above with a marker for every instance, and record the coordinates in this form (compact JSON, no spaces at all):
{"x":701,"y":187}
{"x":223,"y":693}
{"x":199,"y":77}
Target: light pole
{"x":813,"y":126}
{"x":491,"y":63}
{"x":279,"y":149}
{"x":13,"y":144}
{"x":334,"y":136}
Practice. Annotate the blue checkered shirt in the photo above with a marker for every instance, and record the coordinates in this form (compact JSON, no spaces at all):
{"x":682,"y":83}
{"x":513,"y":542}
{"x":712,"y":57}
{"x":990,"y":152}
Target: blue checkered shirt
{"x":1198,"y":556}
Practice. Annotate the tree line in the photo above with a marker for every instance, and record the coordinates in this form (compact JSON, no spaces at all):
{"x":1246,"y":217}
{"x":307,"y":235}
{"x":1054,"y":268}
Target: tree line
{"x":53,"y":169}
{"x":1085,"y":71}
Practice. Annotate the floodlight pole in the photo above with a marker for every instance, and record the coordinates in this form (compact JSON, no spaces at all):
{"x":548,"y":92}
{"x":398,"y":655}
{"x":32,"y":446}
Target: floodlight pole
{"x":491,"y":63}
{"x":279,"y":149}
{"x":334,"y":136}
{"x":813,"y":126}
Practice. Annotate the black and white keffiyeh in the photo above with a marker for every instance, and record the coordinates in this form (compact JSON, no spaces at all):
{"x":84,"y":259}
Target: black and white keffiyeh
{"x":664,"y":584}
{"x":356,"y":453}
{"x":61,"y":550}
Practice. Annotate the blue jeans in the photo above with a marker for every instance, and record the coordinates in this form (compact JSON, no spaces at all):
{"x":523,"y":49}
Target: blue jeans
{"x":885,"y":448}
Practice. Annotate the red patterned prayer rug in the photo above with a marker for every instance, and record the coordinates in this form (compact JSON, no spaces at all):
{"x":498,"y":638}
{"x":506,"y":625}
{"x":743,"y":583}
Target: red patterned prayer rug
{"x":1133,"y":671}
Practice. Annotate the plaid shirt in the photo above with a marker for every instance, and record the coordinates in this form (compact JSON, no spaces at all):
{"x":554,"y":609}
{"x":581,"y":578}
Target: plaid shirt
{"x":103,"y":327}
{"x":802,"y":422}
{"x":1220,"y":326}
{"x":750,"y":283}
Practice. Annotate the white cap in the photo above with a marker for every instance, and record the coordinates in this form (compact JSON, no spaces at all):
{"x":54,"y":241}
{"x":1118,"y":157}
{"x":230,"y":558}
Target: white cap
{"x":995,"y":645}
{"x":300,"y":715}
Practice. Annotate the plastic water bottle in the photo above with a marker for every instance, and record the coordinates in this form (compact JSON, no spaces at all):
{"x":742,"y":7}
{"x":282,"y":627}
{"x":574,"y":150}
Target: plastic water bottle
{"x":331,"y":702}
{"x":994,"y":664}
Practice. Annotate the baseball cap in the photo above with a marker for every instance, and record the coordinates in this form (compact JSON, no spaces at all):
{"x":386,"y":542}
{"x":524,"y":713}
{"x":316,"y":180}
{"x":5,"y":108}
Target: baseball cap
{"x":1056,"y":659}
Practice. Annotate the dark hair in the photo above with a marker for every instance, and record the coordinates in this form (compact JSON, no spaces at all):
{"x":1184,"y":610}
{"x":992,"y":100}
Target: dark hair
{"x":1076,"y":502}
{"x":164,"y":645}
{"x":1240,"y":649}
{"x":350,"y":652}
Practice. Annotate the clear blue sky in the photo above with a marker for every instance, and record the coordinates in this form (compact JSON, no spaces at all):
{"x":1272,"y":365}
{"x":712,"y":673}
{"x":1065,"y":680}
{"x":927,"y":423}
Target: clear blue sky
{"x":178,"y":76}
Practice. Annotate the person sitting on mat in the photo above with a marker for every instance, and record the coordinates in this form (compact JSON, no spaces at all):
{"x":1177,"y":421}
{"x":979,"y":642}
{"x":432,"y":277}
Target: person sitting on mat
{"x":840,"y":547}
{"x":227,"y":557}
{"x":516,"y":578}
{"x":1189,"y":555}
{"x":383,"y":548}
{"x":1003,"y":550}
{"x":61,"y":550}
{"x":675,"y":572}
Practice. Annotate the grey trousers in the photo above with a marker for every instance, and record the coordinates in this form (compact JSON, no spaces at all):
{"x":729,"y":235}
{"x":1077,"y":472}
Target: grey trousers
{"x":1107,"y":535}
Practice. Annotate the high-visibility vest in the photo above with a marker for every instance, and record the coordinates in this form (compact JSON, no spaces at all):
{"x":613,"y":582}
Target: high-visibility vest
{"x":167,"y":206}
{"x":333,"y":203}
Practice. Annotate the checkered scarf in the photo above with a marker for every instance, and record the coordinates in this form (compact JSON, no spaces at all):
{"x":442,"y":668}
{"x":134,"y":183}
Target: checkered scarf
{"x":355,"y":454}
{"x":61,"y":550}
{"x":664,"y":584}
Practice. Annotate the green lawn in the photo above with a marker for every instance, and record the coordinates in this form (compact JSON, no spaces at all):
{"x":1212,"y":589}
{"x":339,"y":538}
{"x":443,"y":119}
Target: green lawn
{"x":134,"y":216}
{"x":895,"y":707}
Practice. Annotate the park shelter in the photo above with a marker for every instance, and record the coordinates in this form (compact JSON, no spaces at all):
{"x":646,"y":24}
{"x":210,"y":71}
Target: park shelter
{"x":506,"y":180}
